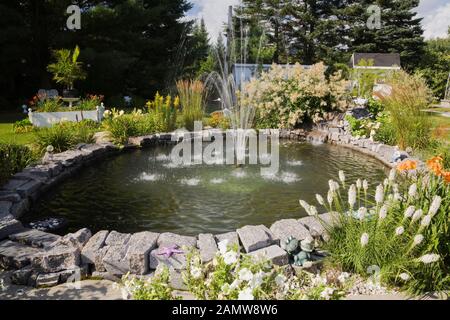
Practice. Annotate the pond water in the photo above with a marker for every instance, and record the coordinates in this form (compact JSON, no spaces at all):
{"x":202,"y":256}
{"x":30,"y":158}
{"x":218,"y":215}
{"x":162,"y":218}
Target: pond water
{"x":143,"y":190}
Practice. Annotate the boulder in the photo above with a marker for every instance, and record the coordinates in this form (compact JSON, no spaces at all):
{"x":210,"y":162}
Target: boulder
{"x":176,"y":261}
{"x":274,"y":254}
{"x":8,"y":226}
{"x":19,"y":208}
{"x":232,"y":237}
{"x":207,"y":246}
{"x":76,"y":240}
{"x":170,"y":239}
{"x":284,"y":229}
{"x":15,"y":255}
{"x":256,"y":237}
{"x":35,"y":238}
{"x":29,"y":188}
{"x":56,"y":259}
{"x":140,"y":245}
{"x":114,"y":260}
{"x":21,"y":277}
{"x":5,"y":208}
{"x":9,"y":196}
{"x":90,"y":252}
{"x":315,"y":225}
{"x":117,"y":238}
{"x":44,"y":280}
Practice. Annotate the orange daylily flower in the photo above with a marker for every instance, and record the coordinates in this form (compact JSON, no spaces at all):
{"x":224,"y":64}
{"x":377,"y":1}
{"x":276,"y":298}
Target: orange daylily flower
{"x":407,"y":165}
{"x":435,"y":165}
{"x":446,"y":176}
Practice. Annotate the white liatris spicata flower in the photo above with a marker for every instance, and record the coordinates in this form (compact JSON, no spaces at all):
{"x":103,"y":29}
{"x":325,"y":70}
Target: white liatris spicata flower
{"x":417,"y":240}
{"x":386,"y":182}
{"x":399,"y":231}
{"x":330,"y":197}
{"x":352,"y":195}
{"x":383,"y":212}
{"x":364,"y":239}
{"x":417,"y":215}
{"x":320,"y":199}
{"x":379,"y":194}
{"x":334,"y":186}
{"x":313,"y":211}
{"x":304,"y":205}
{"x":392,"y":175}
{"x":362,"y":213}
{"x":404,"y":276}
{"x":435,"y":205}
{"x":358,"y":184}
{"x":409,"y":212}
{"x":429,"y":258}
{"x":426,"y":221}
{"x":365,"y":185}
{"x":412,"y":192}
{"x":342,"y":176}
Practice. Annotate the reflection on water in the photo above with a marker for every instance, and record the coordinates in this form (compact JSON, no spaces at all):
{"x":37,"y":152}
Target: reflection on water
{"x":143,"y":190}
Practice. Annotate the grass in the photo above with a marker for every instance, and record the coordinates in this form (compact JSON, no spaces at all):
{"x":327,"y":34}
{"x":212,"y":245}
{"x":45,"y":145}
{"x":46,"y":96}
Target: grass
{"x":6,"y":129}
{"x":443,"y":124}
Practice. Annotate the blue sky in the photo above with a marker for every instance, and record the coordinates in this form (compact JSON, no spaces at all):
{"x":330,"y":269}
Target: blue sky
{"x":436,"y":14}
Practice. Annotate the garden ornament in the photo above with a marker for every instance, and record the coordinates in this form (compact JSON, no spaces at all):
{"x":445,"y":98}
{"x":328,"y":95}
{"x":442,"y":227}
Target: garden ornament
{"x":290,"y":245}
{"x":307,"y":245}
{"x":301,"y":258}
{"x":168,"y":252}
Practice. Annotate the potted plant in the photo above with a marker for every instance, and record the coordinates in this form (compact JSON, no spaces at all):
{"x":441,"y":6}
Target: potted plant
{"x":67,"y":69}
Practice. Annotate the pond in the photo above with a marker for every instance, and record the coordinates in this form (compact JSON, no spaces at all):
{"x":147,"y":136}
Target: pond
{"x":143,"y":190}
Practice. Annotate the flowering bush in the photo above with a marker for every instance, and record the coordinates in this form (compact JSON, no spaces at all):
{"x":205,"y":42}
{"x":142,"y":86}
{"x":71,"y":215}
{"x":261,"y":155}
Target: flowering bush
{"x":286,"y":97}
{"x":402,"y":228}
{"x":164,"y":111}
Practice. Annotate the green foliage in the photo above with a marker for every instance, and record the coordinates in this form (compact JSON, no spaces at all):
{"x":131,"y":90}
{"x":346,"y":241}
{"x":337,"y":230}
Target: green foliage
{"x":49,"y":105}
{"x":366,"y":78}
{"x":65,"y":135}
{"x":155,"y":288}
{"x":191,"y":96}
{"x":67,"y":69}
{"x":23,"y":126}
{"x":165,"y":111}
{"x":375,"y":107}
{"x":403,"y":230}
{"x":91,"y":102}
{"x":218,"y":120}
{"x":13,"y":158}
{"x":409,"y":96}
{"x":386,"y":131}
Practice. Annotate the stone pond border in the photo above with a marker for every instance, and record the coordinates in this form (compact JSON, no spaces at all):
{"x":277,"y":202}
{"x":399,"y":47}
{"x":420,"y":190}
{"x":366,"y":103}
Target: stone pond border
{"x":43,"y":259}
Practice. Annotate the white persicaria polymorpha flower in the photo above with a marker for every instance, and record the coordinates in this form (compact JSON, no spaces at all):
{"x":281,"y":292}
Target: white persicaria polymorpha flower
{"x":404,"y":276}
{"x":330,"y":197}
{"x":392,"y":175}
{"x":412,"y":192}
{"x":365,"y":185}
{"x":352,"y":195}
{"x":410,"y":211}
{"x":417,"y":215}
{"x":196,"y":272}
{"x":435,"y":205}
{"x":429,"y":258}
{"x":383,"y":212}
{"x":362,"y":213}
{"x":342,"y":176}
{"x":417,"y":239}
{"x":426,"y":221}
{"x":358,"y":184}
{"x":320,"y":200}
{"x":245,"y":274}
{"x":230,"y":257}
{"x":223,"y":246}
{"x":313,"y":211}
{"x":246,"y":294}
{"x":364,"y":239}
{"x":379,"y":194}
{"x":399,"y":231}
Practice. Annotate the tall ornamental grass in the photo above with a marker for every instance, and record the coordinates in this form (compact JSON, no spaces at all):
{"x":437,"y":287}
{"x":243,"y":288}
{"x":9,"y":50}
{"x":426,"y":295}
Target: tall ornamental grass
{"x":191,"y":93}
{"x":409,"y":96}
{"x":13,"y":158}
{"x":400,"y":229}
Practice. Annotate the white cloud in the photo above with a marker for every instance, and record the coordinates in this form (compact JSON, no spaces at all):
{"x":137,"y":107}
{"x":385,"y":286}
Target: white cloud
{"x":436,"y":15}
{"x":214,"y":12}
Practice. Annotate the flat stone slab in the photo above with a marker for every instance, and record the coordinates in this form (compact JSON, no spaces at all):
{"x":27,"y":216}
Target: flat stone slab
{"x":15,"y":255}
{"x":170,"y":239}
{"x":273,"y":253}
{"x":114,"y":260}
{"x":91,"y":251}
{"x":256,"y":237}
{"x":232,"y":237}
{"x":176,"y":261}
{"x":315,"y":226}
{"x":116,"y":238}
{"x":9,"y":196}
{"x":56,"y":259}
{"x":140,"y":246}
{"x":35,"y":238}
{"x":207,"y":246}
{"x":13,"y":184}
{"x":5,"y":208}
{"x":284,"y":229}
{"x":76,"y":240}
{"x":8,"y":226}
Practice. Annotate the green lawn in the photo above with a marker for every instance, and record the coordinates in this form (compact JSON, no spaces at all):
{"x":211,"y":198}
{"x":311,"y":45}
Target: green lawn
{"x":6,"y":131}
{"x":442,"y":123}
